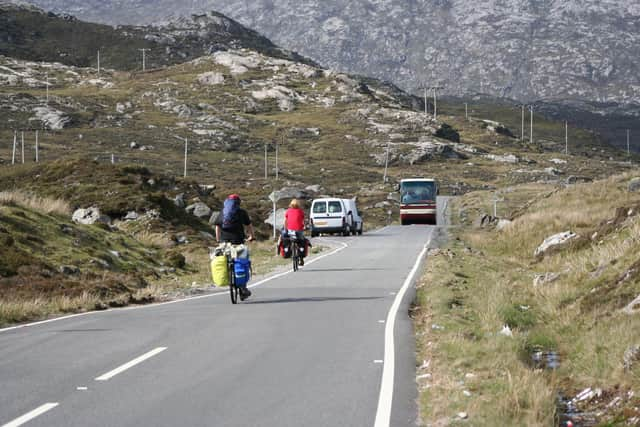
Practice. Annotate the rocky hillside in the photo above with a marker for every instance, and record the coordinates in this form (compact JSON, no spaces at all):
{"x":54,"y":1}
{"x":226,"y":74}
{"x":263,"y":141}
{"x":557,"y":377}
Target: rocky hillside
{"x":30,"y":33}
{"x":524,"y":49}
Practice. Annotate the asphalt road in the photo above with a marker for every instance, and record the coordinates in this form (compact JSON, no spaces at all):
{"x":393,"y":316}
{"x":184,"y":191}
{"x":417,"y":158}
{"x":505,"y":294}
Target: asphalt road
{"x":307,"y":349}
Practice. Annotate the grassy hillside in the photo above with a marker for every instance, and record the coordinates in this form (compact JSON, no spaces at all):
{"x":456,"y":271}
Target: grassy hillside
{"x":570,"y":325}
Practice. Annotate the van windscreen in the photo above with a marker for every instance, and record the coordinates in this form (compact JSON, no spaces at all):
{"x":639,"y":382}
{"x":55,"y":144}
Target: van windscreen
{"x":320,"y":207}
{"x":335,"y":207}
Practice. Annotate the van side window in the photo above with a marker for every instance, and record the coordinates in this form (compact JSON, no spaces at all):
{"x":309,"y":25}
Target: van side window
{"x":320,"y":208}
{"x":335,"y":207}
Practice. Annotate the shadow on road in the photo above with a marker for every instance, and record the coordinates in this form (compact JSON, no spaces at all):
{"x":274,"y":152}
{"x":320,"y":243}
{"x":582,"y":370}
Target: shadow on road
{"x":311,"y":299}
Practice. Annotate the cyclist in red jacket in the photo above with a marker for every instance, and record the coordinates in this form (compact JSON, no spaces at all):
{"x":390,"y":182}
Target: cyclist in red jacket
{"x":294,"y":222}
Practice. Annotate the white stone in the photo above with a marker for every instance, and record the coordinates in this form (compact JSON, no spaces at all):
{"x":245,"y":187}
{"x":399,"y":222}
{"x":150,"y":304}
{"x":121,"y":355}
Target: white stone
{"x":52,"y":118}
{"x":89,"y":216}
{"x":506,"y":331}
{"x":555,"y":241}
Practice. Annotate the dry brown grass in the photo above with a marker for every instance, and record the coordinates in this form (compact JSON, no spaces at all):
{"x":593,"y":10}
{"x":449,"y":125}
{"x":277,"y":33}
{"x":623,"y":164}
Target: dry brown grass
{"x":42,"y":204}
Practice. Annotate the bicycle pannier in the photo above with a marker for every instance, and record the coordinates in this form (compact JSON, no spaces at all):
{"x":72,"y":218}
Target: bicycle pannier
{"x":220,"y":271}
{"x":242,"y":271}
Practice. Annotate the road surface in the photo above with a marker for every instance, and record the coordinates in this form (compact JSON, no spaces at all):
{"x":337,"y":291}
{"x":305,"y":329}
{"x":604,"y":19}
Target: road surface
{"x":308,"y":349}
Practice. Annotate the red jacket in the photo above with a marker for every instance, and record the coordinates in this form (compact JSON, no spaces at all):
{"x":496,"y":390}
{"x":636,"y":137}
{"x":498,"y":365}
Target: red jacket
{"x":294,"y":219}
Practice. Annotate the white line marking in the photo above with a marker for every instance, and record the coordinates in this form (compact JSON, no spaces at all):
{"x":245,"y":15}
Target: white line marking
{"x":383,"y":414}
{"x":378,"y":361}
{"x":31,"y":415}
{"x":82,"y":388}
{"x":381,"y":321}
{"x":216,"y":294}
{"x":131,"y":364}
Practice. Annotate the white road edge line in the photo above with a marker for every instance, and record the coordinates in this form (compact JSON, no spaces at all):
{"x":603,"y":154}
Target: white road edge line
{"x":217,"y":294}
{"x":385,"y":400}
{"x":31,"y":415}
{"x":131,"y":364}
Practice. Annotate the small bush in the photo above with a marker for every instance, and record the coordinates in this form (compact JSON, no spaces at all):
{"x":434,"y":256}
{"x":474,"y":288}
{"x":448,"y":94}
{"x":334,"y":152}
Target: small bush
{"x":517,"y":317}
{"x":449,"y":133}
{"x":176,"y":260}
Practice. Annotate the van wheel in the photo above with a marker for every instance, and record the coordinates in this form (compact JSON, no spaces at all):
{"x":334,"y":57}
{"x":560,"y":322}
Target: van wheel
{"x":346,"y":232}
{"x":361,"y":229}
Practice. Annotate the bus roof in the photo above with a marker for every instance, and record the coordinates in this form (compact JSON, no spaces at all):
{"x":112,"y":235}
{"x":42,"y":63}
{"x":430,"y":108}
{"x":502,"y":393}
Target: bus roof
{"x":418,"y":180}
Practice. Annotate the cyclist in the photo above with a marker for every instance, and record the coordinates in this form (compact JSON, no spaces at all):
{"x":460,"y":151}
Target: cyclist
{"x":294,"y":223}
{"x":230,"y":227}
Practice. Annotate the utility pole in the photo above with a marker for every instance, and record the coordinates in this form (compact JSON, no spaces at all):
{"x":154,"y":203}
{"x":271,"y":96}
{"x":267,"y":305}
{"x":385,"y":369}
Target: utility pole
{"x":566,"y":137}
{"x":531,"y":134}
{"x":98,"y":62}
{"x":144,"y":58}
{"x":426,"y":103}
{"x":435,"y":100}
{"x":47,"y":84}
{"x":113,"y":159}
{"x":186,"y":152}
{"x":23,"y":147}
{"x":15,"y":143}
{"x":37,"y":147}
{"x":266,"y":163}
{"x":628,"y":142}
{"x":386,"y":165}
{"x":522,"y":129}
{"x":466,"y":111}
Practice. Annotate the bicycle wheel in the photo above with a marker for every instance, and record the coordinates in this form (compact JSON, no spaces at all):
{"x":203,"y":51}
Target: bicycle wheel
{"x":233,"y":289}
{"x":294,"y":255}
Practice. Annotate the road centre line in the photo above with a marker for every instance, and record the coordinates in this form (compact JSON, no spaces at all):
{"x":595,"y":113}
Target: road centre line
{"x":216,"y":294}
{"x":128,"y":365}
{"x":31,"y":415}
{"x":385,"y":400}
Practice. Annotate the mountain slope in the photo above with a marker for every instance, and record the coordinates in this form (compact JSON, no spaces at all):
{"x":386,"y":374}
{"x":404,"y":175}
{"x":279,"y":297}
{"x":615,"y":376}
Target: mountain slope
{"x":30,"y":33}
{"x":524,"y":49}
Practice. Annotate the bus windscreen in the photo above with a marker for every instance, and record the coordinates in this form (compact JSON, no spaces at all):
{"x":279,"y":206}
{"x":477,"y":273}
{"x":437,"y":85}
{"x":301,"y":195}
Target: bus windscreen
{"x":417,"y":192}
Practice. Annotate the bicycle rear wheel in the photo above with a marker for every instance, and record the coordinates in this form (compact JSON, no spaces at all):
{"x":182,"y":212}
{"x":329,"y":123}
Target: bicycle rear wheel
{"x":233,"y":289}
{"x":294,"y":255}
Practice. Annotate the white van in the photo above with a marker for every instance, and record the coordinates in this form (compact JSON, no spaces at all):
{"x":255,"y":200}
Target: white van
{"x":356,"y":219}
{"x":330,"y":216}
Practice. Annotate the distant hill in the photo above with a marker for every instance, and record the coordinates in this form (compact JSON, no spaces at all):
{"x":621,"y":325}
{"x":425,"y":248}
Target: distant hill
{"x":32,"y":34}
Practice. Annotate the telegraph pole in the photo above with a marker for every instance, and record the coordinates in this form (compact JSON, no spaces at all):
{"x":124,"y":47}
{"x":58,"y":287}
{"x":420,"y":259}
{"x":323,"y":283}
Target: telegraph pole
{"x":22,"y":147}
{"x":435,"y":90}
{"x":47,"y":84}
{"x":98,"y":62}
{"x":266,"y":163}
{"x":186,"y":153}
{"x":628,"y":142}
{"x":566,"y":137}
{"x":531,"y":135}
{"x":15,"y":143}
{"x":522,"y":128}
{"x":37,"y":147}
{"x":386,"y":165}
{"x":144,"y":58}
{"x":466,"y":111}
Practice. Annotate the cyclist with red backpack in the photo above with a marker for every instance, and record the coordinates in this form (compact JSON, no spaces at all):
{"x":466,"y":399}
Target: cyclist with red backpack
{"x":230,"y":228}
{"x":294,"y":223}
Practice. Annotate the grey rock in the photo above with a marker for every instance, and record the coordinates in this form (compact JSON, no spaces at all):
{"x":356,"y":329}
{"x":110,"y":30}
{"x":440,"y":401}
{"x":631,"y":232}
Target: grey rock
{"x":199,"y":209}
{"x":213,"y":217}
{"x":133,"y":145}
{"x":207,"y":236}
{"x":131,"y":216}
{"x":502,"y":224}
{"x":68,"y":270}
{"x":557,"y":241}
{"x":279,"y":218}
{"x":90,"y":216}
{"x":634,"y":185}
{"x":314,"y":188}
{"x":179,"y":201}
{"x":633,"y":307}
{"x":543,"y":279}
{"x":631,"y":356}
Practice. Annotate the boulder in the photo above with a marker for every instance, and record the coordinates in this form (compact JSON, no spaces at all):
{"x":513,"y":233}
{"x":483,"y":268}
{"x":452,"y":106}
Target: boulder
{"x":502,"y":224}
{"x":199,"y":209}
{"x":68,"y":270}
{"x":213,"y":217}
{"x":279,"y":218}
{"x":313,"y":188}
{"x":634,"y":185}
{"x":131,"y":216}
{"x":293,"y":193}
{"x":179,"y":201}
{"x":631,"y":356}
{"x":90,"y":216}
{"x":211,"y":78}
{"x":555,"y":242}
{"x":507,"y":158}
